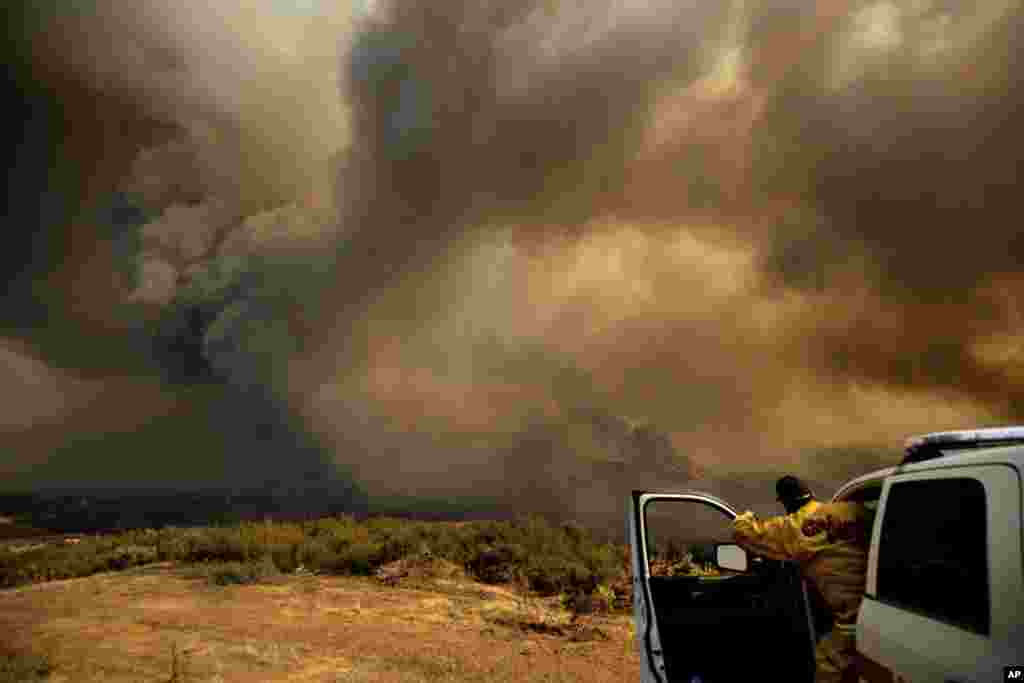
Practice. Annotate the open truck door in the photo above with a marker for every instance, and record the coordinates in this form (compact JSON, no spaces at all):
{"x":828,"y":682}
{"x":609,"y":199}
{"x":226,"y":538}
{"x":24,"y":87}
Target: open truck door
{"x":705,"y":610}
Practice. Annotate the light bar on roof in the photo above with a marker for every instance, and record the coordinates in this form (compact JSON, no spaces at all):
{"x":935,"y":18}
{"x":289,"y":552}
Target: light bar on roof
{"x":966,"y":437}
{"x":930,"y":446}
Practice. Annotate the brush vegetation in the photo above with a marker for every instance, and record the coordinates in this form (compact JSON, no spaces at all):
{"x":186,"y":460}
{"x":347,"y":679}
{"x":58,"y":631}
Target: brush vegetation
{"x":23,"y":666}
{"x":543,"y":558}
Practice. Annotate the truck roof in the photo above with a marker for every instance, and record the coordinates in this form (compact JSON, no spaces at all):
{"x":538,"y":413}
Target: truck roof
{"x":950,"y":449}
{"x":1006,"y":454}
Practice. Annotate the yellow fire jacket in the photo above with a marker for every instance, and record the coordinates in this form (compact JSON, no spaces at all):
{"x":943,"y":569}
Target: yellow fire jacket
{"x":828,"y":540}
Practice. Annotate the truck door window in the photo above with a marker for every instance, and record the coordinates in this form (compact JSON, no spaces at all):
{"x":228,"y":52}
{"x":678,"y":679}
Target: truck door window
{"x":681,"y":538}
{"x":932,"y":556}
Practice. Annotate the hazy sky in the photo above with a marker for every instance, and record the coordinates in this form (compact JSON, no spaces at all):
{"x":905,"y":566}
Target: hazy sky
{"x":447,"y":238}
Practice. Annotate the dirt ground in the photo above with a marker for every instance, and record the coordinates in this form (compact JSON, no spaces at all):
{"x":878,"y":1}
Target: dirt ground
{"x":161,"y":623}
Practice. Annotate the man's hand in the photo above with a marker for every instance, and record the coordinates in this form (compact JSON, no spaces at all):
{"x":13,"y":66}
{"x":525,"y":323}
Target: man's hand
{"x":744,"y":520}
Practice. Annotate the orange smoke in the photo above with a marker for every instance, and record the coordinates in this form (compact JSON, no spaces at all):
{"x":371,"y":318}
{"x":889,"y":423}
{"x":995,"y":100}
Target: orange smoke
{"x":414,"y":396}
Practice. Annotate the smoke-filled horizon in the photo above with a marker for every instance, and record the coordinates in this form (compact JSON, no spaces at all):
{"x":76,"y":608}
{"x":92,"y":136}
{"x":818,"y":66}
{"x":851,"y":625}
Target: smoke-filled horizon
{"x":531,"y":250}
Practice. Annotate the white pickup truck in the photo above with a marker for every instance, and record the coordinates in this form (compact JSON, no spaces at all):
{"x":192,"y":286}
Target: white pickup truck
{"x":944,"y":599}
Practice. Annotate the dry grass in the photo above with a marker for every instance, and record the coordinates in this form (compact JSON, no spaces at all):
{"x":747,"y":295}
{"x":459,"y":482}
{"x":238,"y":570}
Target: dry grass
{"x":169,"y":624}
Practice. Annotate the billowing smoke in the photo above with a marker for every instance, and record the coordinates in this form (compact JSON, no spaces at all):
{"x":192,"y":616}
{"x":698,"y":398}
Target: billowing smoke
{"x":191,"y":153}
{"x":729,"y":222}
{"x":547,"y":252}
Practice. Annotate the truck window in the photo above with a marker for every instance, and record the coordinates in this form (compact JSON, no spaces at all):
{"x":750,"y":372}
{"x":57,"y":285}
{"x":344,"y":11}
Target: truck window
{"x":933,"y":554}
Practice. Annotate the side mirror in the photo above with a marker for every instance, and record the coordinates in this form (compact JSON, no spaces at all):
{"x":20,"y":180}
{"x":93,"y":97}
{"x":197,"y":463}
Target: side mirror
{"x":732,"y":557}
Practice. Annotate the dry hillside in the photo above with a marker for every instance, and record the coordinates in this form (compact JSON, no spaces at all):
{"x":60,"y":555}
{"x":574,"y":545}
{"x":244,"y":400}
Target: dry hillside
{"x":371,"y":601}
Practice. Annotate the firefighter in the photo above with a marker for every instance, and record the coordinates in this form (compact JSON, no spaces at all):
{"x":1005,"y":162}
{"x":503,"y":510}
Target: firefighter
{"x":829,"y":541}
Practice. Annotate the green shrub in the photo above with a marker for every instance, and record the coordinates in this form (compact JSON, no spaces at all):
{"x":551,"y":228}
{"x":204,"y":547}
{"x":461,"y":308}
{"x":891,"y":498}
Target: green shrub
{"x":606,"y":596}
{"x":66,"y":562}
{"x":122,"y":558}
{"x":340,"y":533}
{"x":337,"y":527}
{"x":334,"y":563}
{"x":601,"y":560}
{"x":548,"y":558}
{"x":225,"y":545}
{"x":315,"y":554}
{"x":553,"y":575}
{"x":385,"y":526}
{"x":241,"y":573}
{"x":23,"y":667}
{"x":360,"y":559}
{"x":284,"y":556}
{"x":265,"y":534}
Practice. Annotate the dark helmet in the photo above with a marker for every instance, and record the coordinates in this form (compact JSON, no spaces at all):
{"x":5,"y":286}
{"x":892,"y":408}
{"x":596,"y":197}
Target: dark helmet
{"x":791,"y":489}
